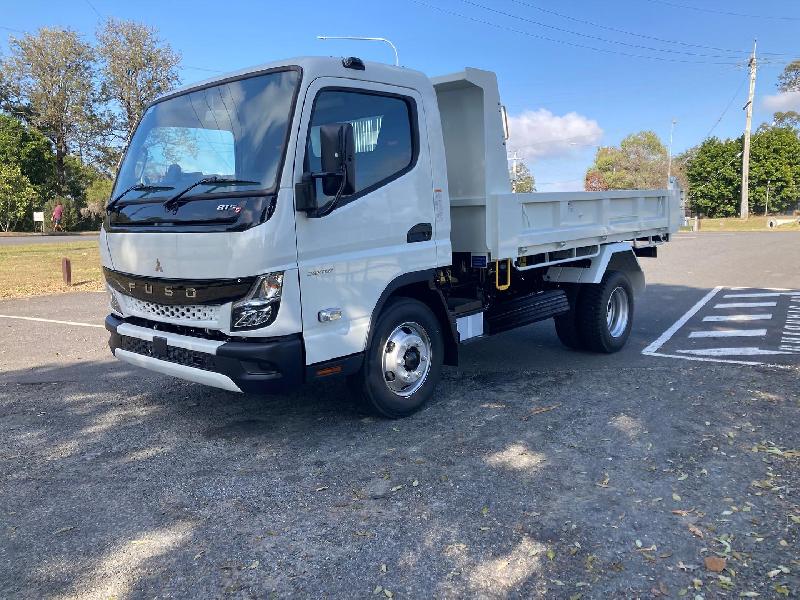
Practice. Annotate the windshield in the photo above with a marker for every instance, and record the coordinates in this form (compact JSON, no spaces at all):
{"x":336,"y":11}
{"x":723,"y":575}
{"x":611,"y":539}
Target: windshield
{"x":234,"y":130}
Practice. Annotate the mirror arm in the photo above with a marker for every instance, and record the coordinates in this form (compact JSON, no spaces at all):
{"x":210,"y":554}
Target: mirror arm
{"x":331,"y":206}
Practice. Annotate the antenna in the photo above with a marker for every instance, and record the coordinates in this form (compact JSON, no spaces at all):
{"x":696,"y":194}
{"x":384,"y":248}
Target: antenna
{"x":363,"y":39}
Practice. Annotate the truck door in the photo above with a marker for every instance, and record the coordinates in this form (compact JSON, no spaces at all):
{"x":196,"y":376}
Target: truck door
{"x":347,"y":258}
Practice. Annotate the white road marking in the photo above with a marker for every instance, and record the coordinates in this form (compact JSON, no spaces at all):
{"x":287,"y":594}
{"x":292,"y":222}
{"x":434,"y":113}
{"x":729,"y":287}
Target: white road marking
{"x":75,"y":323}
{"x":732,"y":352}
{"x":769,"y":289}
{"x":761,"y":295}
{"x":665,"y":337}
{"x":729,"y":333}
{"x":712,"y":318}
{"x":719,"y":360}
{"x":745,"y":304}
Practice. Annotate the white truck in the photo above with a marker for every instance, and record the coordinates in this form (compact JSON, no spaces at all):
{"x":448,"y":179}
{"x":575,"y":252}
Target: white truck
{"x":323,"y":217}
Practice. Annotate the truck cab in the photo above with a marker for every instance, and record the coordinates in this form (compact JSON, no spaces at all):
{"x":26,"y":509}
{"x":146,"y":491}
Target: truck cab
{"x":325,"y":217}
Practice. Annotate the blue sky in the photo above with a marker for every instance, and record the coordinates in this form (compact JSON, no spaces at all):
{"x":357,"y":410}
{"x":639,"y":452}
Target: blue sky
{"x":575,"y":91}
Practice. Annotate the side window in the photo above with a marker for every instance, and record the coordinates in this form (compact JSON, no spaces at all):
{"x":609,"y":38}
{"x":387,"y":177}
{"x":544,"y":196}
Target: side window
{"x":382,"y":129}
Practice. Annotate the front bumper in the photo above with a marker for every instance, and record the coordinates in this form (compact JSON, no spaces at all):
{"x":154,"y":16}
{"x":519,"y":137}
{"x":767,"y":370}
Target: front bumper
{"x":272,"y":366}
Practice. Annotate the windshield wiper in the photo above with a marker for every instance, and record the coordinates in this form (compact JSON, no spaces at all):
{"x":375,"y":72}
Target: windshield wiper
{"x":137,"y":187}
{"x":175,"y":202}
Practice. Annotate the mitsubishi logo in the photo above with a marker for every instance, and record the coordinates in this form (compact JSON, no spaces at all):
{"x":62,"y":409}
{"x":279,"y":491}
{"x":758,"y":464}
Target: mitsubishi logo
{"x":158,"y":267}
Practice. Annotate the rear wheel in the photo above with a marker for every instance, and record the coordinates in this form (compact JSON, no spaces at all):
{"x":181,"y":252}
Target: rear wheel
{"x":567,"y":331}
{"x":403,"y":362}
{"x":604,"y":313}
{"x":567,"y":324}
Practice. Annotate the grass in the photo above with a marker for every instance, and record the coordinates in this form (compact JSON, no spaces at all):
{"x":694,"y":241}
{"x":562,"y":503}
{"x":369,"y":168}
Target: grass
{"x":751,"y":224}
{"x":35,"y":269}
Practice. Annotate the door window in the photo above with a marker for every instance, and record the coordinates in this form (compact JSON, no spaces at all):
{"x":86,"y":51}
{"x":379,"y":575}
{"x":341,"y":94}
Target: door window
{"x":382,"y":126}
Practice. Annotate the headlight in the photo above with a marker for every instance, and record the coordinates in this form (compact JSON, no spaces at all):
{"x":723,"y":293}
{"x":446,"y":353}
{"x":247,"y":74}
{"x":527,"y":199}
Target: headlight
{"x":260,"y":307}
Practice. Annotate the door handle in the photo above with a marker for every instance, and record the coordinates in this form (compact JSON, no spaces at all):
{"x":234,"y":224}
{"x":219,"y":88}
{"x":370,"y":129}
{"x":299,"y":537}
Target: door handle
{"x":421,"y":232}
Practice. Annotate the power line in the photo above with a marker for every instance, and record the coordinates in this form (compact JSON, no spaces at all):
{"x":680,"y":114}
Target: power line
{"x":453,"y":13}
{"x":730,"y":102}
{"x":201,"y":69}
{"x":725,"y":12}
{"x":626,"y":32}
{"x":97,"y":12}
{"x":588,"y":35}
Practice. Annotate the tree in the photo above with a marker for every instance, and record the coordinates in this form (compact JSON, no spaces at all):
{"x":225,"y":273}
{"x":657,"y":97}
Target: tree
{"x":594,"y":181}
{"x":775,"y":157}
{"x":52,"y":73}
{"x":714,"y":172}
{"x":522,"y":179}
{"x":25,"y":147}
{"x":639,"y":162}
{"x":136,"y":68}
{"x":16,"y":197}
{"x":97,"y":196}
{"x":789,"y":81}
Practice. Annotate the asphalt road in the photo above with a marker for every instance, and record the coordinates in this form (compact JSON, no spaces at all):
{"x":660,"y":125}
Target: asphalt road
{"x":22,"y":240}
{"x":536,"y":472}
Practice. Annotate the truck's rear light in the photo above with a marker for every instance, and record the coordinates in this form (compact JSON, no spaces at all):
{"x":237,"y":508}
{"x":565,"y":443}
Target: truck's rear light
{"x":260,"y":307}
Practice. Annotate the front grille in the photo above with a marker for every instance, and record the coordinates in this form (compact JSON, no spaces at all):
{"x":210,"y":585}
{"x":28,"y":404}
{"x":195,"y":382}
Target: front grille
{"x":183,"y":312}
{"x":180,"y":356}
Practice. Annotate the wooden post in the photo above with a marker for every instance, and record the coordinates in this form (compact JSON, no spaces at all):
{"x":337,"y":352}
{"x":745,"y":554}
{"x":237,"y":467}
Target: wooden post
{"x":66,"y":271}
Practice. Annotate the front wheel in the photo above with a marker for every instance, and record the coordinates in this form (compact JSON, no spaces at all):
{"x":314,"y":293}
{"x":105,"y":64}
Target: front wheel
{"x":403,"y":363}
{"x":604,"y":313}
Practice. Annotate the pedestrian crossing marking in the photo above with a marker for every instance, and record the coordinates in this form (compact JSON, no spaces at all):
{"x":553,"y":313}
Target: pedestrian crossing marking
{"x":717,"y":318}
{"x":706,"y":333}
{"x":747,"y":351}
{"x":745,"y":305}
{"x":729,"y":333}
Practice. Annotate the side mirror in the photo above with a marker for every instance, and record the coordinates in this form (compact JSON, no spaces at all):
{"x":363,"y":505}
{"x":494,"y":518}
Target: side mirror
{"x":338,"y":157}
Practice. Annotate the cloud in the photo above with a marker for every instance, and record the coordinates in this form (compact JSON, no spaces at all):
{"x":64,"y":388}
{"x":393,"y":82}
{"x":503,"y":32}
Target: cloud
{"x":570,"y":185}
{"x":541,"y":134}
{"x":782,"y":102}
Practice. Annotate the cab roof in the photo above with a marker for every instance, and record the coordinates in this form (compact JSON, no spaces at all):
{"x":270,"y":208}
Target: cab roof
{"x":319,"y":66}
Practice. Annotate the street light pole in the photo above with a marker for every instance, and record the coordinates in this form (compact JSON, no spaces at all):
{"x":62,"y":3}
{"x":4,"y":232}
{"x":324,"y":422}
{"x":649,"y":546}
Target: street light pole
{"x":669,"y":159}
{"x":766,"y":204}
{"x":363,"y":39}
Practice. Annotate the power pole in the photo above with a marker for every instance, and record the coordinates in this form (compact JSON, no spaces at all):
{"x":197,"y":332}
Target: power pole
{"x":514,"y":160}
{"x":745,"y":206}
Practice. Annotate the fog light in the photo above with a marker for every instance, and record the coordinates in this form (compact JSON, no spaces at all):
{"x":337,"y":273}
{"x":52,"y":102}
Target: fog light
{"x":260,"y":307}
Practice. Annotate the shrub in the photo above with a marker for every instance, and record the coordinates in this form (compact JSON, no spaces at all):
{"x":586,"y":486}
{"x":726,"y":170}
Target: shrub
{"x":16,"y":197}
{"x":70,"y":218}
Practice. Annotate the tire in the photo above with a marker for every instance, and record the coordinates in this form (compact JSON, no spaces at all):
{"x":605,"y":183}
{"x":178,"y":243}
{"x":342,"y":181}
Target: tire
{"x":397,"y":378}
{"x":605,"y":313}
{"x":567,"y":331}
{"x":567,"y":324}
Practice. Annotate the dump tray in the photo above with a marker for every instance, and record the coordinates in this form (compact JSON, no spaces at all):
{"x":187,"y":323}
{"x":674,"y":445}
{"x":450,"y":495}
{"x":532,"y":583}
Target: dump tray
{"x":515,"y":225}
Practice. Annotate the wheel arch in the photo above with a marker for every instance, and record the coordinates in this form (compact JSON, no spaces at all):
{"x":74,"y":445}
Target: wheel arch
{"x":627,"y":263}
{"x":419,"y":286}
{"x":612,"y":257}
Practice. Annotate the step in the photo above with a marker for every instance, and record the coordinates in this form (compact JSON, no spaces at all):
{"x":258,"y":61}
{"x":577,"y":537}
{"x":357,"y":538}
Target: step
{"x":525,"y":310}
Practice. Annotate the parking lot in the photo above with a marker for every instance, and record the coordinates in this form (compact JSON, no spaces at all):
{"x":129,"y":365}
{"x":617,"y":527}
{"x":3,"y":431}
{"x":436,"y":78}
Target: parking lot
{"x":536,"y":471}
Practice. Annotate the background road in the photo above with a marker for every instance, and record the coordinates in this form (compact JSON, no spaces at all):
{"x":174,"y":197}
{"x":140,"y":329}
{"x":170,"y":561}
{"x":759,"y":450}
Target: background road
{"x":22,"y":240}
{"x":535,"y":472}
